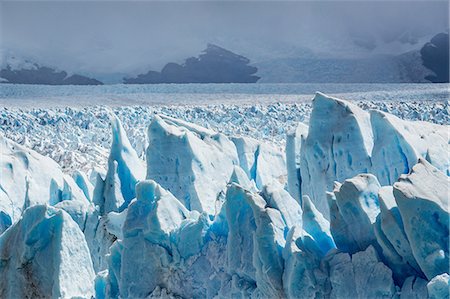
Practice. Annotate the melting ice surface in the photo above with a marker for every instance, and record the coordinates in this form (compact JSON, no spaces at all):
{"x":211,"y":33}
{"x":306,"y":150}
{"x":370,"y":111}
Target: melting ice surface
{"x":355,"y":204}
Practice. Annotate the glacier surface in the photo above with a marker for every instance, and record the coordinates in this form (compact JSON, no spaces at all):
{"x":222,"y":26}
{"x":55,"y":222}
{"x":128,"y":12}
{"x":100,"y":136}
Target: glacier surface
{"x":356,"y":205}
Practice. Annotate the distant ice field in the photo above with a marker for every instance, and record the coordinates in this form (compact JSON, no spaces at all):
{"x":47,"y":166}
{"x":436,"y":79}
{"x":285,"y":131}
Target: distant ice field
{"x":71,"y":124}
{"x":14,"y":95}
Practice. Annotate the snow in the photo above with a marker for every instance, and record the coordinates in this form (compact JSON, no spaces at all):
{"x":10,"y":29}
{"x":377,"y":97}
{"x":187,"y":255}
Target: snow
{"x":195,"y":208}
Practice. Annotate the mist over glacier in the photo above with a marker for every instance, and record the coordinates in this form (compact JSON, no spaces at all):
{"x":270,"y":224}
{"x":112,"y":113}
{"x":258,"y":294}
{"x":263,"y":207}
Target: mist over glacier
{"x":110,"y":40}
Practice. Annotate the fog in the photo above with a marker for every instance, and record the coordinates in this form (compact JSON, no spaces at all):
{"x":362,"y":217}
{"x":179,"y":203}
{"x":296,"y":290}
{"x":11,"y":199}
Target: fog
{"x":102,"y":37}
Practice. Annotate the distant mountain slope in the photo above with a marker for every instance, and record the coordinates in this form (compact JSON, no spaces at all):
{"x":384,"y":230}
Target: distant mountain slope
{"x":214,"y":65}
{"x":19,"y":71}
{"x":435,"y":56}
{"x":405,"y":68}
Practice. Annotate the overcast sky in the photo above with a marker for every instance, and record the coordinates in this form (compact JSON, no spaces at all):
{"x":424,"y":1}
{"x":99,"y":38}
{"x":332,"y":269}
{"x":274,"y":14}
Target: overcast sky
{"x":130,"y":37}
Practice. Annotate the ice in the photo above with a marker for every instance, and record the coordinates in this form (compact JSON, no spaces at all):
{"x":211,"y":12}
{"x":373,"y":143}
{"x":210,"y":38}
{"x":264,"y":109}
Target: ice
{"x":302,"y":277}
{"x":114,"y":223}
{"x":194,"y":164}
{"x":112,"y":198}
{"x":294,"y":141}
{"x":339,"y":229}
{"x":317,"y":226}
{"x":112,"y":194}
{"x":414,"y":288}
{"x":279,"y":199}
{"x":247,"y":150}
{"x":45,"y":254}
{"x":391,"y":236}
{"x":78,"y":137}
{"x":399,"y":144}
{"x":101,"y":285}
{"x":161,"y":243}
{"x":240,"y":177}
{"x":263,"y":163}
{"x":241,"y":225}
{"x":344,"y":140}
{"x":190,"y":236}
{"x":145,"y":247}
{"x":125,"y":169}
{"x":154,"y":215}
{"x":98,"y":239}
{"x":268,"y":244}
{"x":202,"y":209}
{"x":337,"y":147}
{"x":361,"y":275}
{"x":129,"y":167}
{"x":84,"y":184}
{"x":28,"y":179}
{"x":269,"y":165}
{"x":255,"y":241}
{"x":423,"y":202}
{"x":357,"y":202}
{"x":439,"y":287}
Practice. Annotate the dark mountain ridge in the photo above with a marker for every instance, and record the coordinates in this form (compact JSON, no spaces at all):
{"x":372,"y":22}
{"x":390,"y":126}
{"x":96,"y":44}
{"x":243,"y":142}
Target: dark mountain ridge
{"x":43,"y":75}
{"x":214,"y":65}
{"x":435,"y":56}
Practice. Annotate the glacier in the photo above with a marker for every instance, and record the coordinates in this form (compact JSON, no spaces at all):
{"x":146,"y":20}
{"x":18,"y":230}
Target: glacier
{"x":45,"y":255}
{"x":356,"y":205}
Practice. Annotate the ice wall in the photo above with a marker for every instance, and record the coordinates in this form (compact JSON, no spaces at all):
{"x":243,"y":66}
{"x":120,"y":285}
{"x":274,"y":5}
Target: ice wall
{"x":45,"y":255}
{"x":211,"y":216}
{"x":343,"y":140}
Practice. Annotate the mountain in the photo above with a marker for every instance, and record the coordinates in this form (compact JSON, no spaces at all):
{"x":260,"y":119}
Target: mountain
{"x":214,"y":65}
{"x":435,"y":57}
{"x":405,"y":68}
{"x":19,"y":71}
{"x":355,"y":59}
